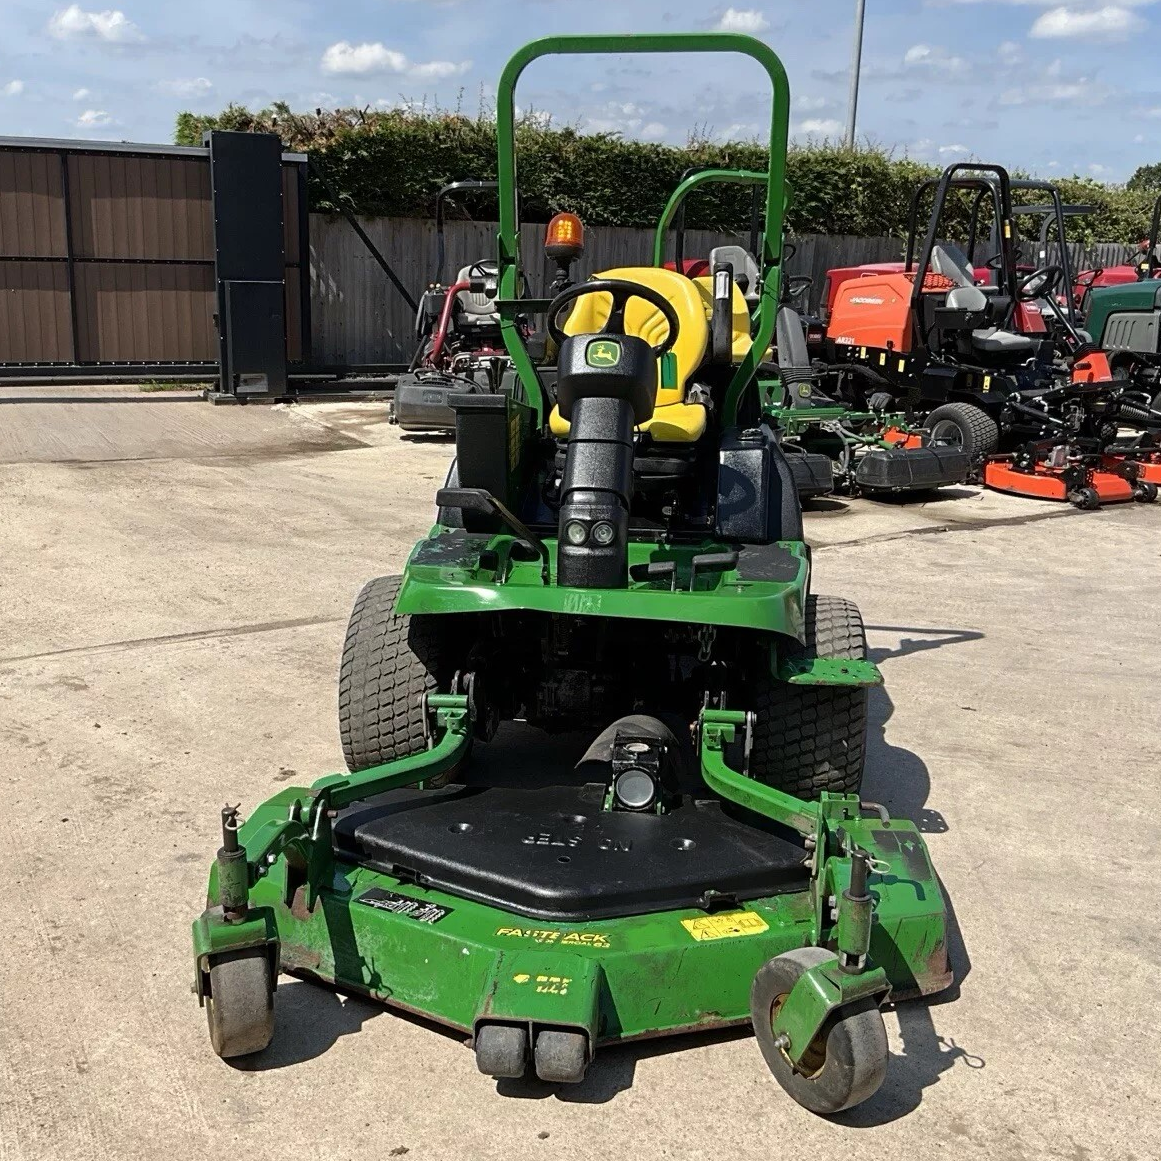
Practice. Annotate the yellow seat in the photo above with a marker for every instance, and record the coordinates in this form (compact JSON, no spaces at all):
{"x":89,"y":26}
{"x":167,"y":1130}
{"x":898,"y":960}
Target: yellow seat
{"x":674,"y":420}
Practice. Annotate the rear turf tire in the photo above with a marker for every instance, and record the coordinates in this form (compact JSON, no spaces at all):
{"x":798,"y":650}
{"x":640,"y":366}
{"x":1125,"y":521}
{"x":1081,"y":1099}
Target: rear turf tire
{"x":808,"y":739}
{"x":389,"y":663}
{"x":964,"y":426}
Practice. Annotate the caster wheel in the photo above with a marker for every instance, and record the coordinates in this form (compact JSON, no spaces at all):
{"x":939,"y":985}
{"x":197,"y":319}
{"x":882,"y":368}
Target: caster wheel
{"x":1086,"y":499}
{"x":502,"y":1050}
{"x":847,"y":1061}
{"x":240,"y":1006}
{"x":1145,"y":493}
{"x":561,"y":1057}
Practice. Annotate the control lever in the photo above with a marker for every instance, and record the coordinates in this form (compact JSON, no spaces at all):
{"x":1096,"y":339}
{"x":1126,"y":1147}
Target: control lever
{"x":481,"y":500}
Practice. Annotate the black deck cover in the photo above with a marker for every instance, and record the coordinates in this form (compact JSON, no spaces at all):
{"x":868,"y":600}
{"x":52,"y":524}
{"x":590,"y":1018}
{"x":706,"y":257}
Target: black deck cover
{"x":553,"y":853}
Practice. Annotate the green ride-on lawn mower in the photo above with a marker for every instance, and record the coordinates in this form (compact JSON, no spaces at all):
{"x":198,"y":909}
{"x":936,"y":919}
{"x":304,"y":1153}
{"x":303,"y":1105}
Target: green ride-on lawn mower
{"x":708,"y":862}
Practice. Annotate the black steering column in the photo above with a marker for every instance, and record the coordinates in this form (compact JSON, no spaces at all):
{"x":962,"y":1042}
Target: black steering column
{"x":606,"y":386}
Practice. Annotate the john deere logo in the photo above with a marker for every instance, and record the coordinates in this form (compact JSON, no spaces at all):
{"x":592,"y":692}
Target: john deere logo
{"x":603,"y":354}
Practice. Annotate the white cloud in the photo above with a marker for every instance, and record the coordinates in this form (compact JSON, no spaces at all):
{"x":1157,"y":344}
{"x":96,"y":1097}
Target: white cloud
{"x":1111,"y":22}
{"x":13,"y":88}
{"x":1098,"y":169}
{"x":946,"y":150}
{"x":1050,"y":91}
{"x":345,"y":57}
{"x":743,"y":20}
{"x":820,"y":127}
{"x":189,"y":87}
{"x":1010,"y":53}
{"x":74,"y":23}
{"x":926,"y":57}
{"x":94,"y":119}
{"x":82,"y":94}
{"x":812,"y":104}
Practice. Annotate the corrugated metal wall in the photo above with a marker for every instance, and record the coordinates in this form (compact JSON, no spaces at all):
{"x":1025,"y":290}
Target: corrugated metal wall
{"x":108,"y":256}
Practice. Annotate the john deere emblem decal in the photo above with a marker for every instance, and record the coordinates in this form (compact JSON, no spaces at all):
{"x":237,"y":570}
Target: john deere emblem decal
{"x":603,"y":354}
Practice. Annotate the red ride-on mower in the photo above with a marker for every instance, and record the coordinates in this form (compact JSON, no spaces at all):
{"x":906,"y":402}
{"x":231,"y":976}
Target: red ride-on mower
{"x":459,"y":349}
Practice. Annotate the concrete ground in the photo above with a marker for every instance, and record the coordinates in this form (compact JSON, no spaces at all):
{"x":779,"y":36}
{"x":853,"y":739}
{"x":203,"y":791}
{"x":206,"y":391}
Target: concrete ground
{"x":176,"y":581}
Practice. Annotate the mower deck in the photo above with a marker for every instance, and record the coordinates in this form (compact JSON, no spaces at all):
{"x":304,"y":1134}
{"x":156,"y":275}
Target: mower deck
{"x":667,"y":968}
{"x":1087,"y":487}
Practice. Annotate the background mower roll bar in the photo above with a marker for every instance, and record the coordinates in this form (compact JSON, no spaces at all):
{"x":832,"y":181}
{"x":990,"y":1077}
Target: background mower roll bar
{"x":985,"y":178}
{"x":770,"y":260}
{"x":1054,"y":213}
{"x":674,"y":212}
{"x":446,"y":192}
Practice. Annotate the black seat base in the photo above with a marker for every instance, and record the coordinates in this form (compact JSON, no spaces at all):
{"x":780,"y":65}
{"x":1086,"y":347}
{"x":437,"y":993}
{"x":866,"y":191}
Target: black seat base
{"x":553,"y":853}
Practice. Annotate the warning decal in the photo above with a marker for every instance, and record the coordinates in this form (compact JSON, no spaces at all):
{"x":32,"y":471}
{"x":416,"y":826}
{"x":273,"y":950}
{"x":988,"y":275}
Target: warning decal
{"x":731,"y":925}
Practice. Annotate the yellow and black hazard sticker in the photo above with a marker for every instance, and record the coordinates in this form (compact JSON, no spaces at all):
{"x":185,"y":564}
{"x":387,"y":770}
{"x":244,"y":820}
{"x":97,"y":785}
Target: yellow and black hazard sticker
{"x":731,"y":925}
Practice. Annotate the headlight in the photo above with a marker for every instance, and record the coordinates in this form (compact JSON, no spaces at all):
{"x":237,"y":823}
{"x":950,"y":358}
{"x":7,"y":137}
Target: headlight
{"x":604,"y":534}
{"x":575,"y":532}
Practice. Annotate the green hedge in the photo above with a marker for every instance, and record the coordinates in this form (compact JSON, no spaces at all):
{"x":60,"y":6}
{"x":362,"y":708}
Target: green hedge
{"x":392,"y":162}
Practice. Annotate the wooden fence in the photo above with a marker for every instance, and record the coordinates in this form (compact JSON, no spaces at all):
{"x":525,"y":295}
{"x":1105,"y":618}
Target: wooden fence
{"x":358,"y":317}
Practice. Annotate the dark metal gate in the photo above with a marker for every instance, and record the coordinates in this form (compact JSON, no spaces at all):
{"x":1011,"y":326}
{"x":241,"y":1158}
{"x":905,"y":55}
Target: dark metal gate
{"x":108,"y":263}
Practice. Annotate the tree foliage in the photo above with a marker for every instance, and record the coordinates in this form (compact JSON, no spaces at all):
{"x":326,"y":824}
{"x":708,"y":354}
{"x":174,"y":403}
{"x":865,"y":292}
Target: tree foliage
{"x":391,"y":162}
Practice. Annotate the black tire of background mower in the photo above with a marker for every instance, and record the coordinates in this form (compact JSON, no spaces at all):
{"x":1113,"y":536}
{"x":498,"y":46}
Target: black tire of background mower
{"x":388,"y":664}
{"x":979,"y":433}
{"x":808,"y":739}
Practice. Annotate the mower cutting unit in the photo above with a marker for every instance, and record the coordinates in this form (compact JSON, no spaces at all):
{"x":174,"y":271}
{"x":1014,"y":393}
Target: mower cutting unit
{"x":708,"y":860}
{"x":457,"y":332}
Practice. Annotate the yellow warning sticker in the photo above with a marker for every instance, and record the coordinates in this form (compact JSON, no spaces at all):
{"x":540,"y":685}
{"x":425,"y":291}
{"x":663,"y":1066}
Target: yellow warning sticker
{"x":731,"y":925}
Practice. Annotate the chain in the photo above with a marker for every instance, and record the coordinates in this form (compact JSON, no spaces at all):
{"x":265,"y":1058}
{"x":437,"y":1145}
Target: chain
{"x":705,"y":640}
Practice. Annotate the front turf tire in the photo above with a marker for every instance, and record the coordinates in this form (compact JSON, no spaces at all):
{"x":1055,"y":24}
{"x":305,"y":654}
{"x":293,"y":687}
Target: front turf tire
{"x":808,"y":739}
{"x":389,"y":663}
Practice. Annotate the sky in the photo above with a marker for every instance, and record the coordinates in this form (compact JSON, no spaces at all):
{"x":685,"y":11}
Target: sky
{"x":1055,"y":87}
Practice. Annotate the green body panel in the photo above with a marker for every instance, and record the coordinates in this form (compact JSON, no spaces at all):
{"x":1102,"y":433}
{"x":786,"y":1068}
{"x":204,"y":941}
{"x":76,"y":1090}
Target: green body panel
{"x":445,"y":575}
{"x":829,"y":671}
{"x":1133,"y":297}
{"x":640,"y":975}
{"x":819,"y":992}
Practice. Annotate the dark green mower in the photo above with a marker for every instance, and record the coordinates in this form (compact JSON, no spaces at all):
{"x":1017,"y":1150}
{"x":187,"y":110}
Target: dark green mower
{"x":618,"y":559}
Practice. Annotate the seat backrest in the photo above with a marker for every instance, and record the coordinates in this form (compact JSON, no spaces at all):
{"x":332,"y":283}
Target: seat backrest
{"x":646,"y":322}
{"x":478,"y":307}
{"x":746,"y":272}
{"x":952,"y":262}
{"x":791,"y":339}
{"x":970,"y":298}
